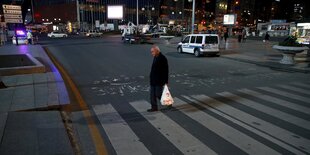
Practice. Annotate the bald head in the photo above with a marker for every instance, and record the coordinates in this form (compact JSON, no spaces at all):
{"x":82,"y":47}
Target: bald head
{"x":155,"y":50}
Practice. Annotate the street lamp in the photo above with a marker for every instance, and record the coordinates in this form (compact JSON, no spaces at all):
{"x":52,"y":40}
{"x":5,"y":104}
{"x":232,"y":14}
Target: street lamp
{"x":32,"y":12}
{"x":149,"y":10}
{"x":193,"y":16}
{"x":138,"y":14}
{"x":92,"y":18}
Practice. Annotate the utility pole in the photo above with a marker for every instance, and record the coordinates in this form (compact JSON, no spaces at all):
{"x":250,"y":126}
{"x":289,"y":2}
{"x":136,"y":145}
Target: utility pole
{"x":193,"y":17}
{"x":137,"y":14}
{"x":33,"y":20}
{"x":92,"y":19}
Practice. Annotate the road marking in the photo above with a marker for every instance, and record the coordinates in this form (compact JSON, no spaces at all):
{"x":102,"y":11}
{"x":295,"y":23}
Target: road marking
{"x":250,"y":128}
{"x":286,"y":94}
{"x":270,"y":111}
{"x":268,"y":128}
{"x":247,"y":144}
{"x":94,"y":131}
{"x":183,"y":140}
{"x":275,"y":100}
{"x":299,"y":90}
{"x":301,"y":84}
{"x":123,"y":139}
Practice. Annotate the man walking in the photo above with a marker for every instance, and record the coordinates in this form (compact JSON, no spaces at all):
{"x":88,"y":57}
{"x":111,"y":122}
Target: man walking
{"x":29,"y":37}
{"x":267,"y":37}
{"x":225,"y":36}
{"x":158,"y":76}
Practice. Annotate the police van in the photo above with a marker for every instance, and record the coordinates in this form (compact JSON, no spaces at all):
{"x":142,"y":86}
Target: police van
{"x":200,"y":44}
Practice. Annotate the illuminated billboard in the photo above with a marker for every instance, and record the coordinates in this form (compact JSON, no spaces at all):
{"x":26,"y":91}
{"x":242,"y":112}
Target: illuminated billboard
{"x":230,"y":19}
{"x":115,"y":11}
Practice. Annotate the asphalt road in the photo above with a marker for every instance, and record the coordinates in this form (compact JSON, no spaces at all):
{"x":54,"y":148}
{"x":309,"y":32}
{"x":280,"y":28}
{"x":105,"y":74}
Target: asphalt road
{"x":216,"y":109}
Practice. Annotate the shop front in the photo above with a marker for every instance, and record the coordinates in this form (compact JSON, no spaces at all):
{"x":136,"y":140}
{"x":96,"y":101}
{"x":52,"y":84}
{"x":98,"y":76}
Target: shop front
{"x":303,"y":33}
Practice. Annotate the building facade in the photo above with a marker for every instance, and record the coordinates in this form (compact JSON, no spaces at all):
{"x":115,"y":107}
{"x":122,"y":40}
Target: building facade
{"x":90,"y":14}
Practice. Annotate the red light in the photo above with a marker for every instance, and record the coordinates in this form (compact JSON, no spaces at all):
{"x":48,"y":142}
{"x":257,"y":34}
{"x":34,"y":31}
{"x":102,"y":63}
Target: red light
{"x":37,"y":15}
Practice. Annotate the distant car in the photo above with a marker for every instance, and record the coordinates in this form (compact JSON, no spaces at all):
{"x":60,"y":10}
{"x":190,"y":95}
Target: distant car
{"x":21,"y":40}
{"x":93,"y":34}
{"x":57,"y":35}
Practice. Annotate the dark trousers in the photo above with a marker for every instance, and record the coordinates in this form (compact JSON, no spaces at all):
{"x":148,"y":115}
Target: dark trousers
{"x":29,"y":41}
{"x":156,"y":92}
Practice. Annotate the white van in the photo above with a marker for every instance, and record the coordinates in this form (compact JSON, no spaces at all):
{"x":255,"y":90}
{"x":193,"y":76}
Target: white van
{"x":200,"y":44}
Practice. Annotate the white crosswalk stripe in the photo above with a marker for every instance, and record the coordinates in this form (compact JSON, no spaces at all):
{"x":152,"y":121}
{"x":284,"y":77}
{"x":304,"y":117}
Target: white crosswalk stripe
{"x":270,"y":111}
{"x":278,"y":101}
{"x":262,"y":125}
{"x":301,"y":84}
{"x":250,"y":128}
{"x":286,"y":94}
{"x":123,"y":139}
{"x":183,"y":140}
{"x":247,"y":144}
{"x":299,"y":90}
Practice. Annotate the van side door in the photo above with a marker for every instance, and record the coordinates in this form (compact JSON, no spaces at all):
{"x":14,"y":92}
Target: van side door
{"x":185,"y":44}
{"x":192,"y":44}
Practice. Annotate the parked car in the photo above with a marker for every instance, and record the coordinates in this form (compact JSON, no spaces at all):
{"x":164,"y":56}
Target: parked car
{"x":93,"y":34}
{"x":57,"y":35}
{"x":200,"y":44}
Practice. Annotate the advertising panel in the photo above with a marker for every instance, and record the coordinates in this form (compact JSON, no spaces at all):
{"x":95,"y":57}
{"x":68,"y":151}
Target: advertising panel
{"x":230,"y":19}
{"x":115,"y":11}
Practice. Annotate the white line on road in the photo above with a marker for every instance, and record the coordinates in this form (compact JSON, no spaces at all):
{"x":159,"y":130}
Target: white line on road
{"x":275,"y":100}
{"x":123,"y":139}
{"x":183,"y":140}
{"x":286,"y":94}
{"x":270,"y":111}
{"x":301,"y":84}
{"x":235,"y":137}
{"x":299,"y":90}
{"x":267,"y":128}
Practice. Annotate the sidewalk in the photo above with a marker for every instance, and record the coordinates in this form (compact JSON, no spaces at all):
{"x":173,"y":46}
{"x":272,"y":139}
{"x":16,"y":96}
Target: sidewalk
{"x":261,"y":53}
{"x":255,"y":52}
{"x":30,"y":120}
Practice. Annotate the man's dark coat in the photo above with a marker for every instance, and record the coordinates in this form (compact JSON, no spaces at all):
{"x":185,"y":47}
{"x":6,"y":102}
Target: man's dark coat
{"x":159,"y":71}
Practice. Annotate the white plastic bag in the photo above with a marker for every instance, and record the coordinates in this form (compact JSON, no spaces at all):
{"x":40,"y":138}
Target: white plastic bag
{"x":166,"y":98}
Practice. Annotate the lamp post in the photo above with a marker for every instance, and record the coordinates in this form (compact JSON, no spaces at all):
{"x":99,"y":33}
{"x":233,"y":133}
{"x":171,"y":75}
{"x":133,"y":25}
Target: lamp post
{"x":193,"y":16}
{"x":33,"y":20}
{"x":137,"y":14}
{"x":92,"y":18}
{"x":149,"y":10}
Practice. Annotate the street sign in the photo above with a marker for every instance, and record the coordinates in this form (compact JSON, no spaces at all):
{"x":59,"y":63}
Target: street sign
{"x":16,"y":12}
{"x":11,"y":7}
{"x":12,"y":13}
{"x":13,"y":20}
{"x":12,"y":16}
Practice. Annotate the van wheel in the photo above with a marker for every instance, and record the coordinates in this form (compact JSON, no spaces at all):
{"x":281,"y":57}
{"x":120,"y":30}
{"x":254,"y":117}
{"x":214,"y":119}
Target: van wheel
{"x":180,"y":49}
{"x":197,"y":53}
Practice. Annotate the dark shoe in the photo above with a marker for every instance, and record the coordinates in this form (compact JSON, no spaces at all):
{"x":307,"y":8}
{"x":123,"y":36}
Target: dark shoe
{"x":152,"y":110}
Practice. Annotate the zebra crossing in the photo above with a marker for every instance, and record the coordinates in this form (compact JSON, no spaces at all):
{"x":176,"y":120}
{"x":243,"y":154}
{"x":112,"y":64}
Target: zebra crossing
{"x":262,"y":120}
